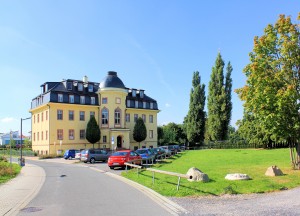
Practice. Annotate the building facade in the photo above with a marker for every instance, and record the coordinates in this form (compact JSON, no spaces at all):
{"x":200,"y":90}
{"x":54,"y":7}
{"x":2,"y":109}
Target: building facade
{"x":61,"y":112}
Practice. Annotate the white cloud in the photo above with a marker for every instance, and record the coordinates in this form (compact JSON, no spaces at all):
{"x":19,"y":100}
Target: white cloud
{"x":168,"y":105}
{"x":7,"y":120}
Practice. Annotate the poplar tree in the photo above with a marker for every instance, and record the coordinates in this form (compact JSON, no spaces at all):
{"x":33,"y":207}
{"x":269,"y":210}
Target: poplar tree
{"x":195,"y":120}
{"x":139,"y":131}
{"x":92,"y":131}
{"x":219,"y":101}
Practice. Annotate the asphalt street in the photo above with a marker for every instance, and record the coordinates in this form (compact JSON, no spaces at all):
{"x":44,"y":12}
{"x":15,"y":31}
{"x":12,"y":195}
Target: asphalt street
{"x":80,"y":189}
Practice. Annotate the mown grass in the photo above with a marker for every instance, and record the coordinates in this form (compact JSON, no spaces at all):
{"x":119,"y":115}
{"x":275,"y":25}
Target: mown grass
{"x":217,"y":164}
{"x":7,"y":170}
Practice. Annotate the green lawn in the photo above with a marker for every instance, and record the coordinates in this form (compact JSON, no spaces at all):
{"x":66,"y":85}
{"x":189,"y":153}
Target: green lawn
{"x":216,"y":164}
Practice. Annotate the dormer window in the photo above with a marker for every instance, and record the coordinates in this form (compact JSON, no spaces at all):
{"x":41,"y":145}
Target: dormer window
{"x":71,"y":98}
{"x":93,"y":100}
{"x":91,"y":88}
{"x":133,"y":93}
{"x":141,"y":94}
{"x":80,"y":87}
{"x":82,"y":99}
{"x":136,"y":104}
{"x":151,"y":105}
{"x":69,"y":86}
{"x":60,"y":97}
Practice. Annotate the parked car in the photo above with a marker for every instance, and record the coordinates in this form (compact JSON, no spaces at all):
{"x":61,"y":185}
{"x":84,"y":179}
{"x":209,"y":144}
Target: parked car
{"x":70,"y":153}
{"x":167,"y":151}
{"x":118,"y":158}
{"x":78,"y":155}
{"x":177,"y":148}
{"x":159,"y":152}
{"x":147,"y":154}
{"x":93,"y":155}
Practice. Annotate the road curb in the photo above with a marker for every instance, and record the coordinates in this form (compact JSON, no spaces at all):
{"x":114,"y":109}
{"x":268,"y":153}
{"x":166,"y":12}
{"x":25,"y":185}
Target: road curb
{"x":164,"y":202}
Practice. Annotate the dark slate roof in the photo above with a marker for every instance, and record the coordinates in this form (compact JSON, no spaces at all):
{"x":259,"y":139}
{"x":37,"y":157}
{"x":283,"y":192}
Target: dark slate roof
{"x":112,"y":81}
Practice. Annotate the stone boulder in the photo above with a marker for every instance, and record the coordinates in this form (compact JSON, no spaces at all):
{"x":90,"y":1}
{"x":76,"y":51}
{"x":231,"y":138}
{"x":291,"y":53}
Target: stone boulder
{"x":237,"y":176}
{"x":273,"y":171}
{"x":197,"y":175}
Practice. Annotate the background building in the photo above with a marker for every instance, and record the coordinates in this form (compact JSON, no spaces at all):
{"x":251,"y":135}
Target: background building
{"x":61,"y":112}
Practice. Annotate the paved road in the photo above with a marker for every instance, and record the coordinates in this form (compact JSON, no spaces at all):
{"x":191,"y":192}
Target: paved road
{"x":73,"y":189}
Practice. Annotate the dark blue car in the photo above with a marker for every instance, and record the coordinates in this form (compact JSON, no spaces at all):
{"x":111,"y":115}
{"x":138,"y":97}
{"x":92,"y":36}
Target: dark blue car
{"x":70,"y":153}
{"x":147,"y":154}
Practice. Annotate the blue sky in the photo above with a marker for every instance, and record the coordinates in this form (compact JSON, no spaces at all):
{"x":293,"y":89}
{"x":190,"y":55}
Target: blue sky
{"x":153,"y":45}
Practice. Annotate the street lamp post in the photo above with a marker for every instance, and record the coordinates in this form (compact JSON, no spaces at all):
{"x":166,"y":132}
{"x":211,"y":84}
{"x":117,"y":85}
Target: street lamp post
{"x":21,"y":159}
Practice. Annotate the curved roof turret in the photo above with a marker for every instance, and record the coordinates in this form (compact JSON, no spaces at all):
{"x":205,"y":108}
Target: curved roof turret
{"x":112,"y":81}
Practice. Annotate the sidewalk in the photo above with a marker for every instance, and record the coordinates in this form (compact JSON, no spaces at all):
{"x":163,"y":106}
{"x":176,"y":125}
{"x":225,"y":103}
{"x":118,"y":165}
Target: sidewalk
{"x":18,"y":192}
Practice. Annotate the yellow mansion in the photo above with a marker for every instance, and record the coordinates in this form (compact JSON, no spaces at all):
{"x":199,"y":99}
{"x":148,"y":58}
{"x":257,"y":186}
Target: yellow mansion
{"x":61,"y":112}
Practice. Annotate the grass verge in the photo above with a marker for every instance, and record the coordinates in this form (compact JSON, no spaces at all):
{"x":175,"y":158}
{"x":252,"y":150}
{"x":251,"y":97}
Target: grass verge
{"x":7,"y":170}
{"x":217,"y":164}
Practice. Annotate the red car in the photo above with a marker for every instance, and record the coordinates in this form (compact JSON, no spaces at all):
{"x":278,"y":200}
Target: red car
{"x":118,"y":158}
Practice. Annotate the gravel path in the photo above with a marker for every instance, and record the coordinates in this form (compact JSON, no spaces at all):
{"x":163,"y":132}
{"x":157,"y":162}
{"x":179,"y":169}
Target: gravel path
{"x":277,"y":203}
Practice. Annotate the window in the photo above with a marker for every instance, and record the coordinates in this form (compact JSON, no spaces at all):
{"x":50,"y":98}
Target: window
{"x":144,"y":118}
{"x":104,"y":100}
{"x":81,"y":116}
{"x":60,"y":98}
{"x":141,"y":94}
{"x":59,"y":115}
{"x":80,"y":87}
{"x":117,"y":116}
{"x":104,"y":139}
{"x":91,"y":88}
{"x":151,"y":134}
{"x":71,"y":115}
{"x":151,"y":105}
{"x":71,"y":98}
{"x":136,"y":104}
{"x":46,"y":115}
{"x":151,"y":118}
{"x":42,"y":116}
{"x":144,"y":105}
{"x":127,"y":117}
{"x":135,"y":117}
{"x":82,"y":100}
{"x":46,"y":135}
{"x":93,"y":100}
{"x":38,"y":136}
{"x":69,"y":85}
{"x":38,"y":118}
{"x":104,"y":117}
{"x":42,"y":135}
{"x":92,"y":113}
{"x":118,"y":100}
{"x":133,"y":92}
{"x":82,"y":134}
{"x":60,"y":134}
{"x":71,"y":134}
{"x":128,"y":103}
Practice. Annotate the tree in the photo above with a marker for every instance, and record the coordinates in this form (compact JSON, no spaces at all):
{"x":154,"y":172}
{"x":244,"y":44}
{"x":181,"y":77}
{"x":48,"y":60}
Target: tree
{"x":272,"y":91}
{"x":160,"y":135}
{"x":195,"y":119}
{"x":219,"y":101}
{"x":92,"y":131}
{"x":27,"y":143}
{"x":139,"y":131}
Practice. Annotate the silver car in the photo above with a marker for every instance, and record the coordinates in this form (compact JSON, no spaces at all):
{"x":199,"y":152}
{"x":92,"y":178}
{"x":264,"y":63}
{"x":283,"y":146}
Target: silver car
{"x":93,"y":155}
